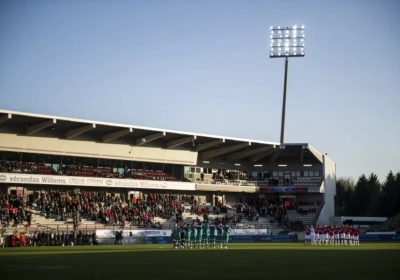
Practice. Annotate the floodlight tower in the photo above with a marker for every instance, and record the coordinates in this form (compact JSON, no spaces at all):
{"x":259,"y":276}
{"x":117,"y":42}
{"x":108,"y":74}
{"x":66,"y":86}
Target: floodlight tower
{"x":286,"y":42}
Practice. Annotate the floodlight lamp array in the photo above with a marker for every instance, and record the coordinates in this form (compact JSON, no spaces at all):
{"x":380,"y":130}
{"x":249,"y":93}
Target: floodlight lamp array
{"x":287,"y":41}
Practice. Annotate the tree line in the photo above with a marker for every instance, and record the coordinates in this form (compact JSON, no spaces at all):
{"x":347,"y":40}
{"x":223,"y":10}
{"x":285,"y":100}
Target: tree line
{"x":368,"y":197}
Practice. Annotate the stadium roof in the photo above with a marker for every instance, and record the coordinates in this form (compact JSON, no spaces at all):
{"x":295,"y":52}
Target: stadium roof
{"x":208,"y":146}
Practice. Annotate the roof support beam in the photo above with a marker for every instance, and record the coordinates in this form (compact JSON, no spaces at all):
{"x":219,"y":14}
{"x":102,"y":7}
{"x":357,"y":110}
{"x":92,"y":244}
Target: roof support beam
{"x":274,"y":156}
{"x":259,"y":156}
{"x":243,"y":154}
{"x":5,"y":118}
{"x":302,"y":156}
{"x":113,"y":135}
{"x":180,"y":141}
{"x":80,"y":130}
{"x":38,"y":127}
{"x":210,"y":144}
{"x":149,"y":138}
{"x":315,"y":153}
{"x":223,"y":151}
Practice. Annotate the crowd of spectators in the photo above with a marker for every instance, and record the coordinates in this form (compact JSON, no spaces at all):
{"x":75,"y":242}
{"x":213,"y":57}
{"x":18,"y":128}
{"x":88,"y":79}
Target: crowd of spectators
{"x":234,"y":177}
{"x":295,"y":225}
{"x":275,"y":210}
{"x":305,"y":207}
{"x":261,"y":207}
{"x":22,"y":167}
{"x":13,"y":210}
{"x":229,"y":175}
{"x":111,"y":209}
{"x":49,"y":238}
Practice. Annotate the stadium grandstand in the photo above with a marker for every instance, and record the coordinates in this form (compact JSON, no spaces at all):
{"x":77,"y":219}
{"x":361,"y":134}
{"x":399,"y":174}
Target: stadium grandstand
{"x":62,"y":173}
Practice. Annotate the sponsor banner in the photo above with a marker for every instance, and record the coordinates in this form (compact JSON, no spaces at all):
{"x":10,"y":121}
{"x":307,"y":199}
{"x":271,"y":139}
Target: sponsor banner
{"x":104,"y":233}
{"x":159,"y":240}
{"x":262,"y":238}
{"x":125,"y":240}
{"x":277,"y":238}
{"x":242,"y":239}
{"x":380,"y":237}
{"x":250,"y":231}
{"x":283,"y":190}
{"x":17,"y":178}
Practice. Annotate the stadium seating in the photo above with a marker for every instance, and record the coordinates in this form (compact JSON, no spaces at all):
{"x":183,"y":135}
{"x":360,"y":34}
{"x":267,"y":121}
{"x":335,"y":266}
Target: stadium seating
{"x":298,"y":182}
{"x":307,"y":211}
{"x":151,"y":175}
{"x":307,"y":181}
{"x":46,"y":217}
{"x":91,"y":171}
{"x":85,"y":171}
{"x":107,"y":172}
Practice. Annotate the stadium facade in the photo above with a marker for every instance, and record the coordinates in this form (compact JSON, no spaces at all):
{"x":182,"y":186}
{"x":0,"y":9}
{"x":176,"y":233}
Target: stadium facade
{"x":213,"y":167}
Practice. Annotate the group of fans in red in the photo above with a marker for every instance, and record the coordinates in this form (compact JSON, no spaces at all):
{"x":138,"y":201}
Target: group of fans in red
{"x":327,"y":235}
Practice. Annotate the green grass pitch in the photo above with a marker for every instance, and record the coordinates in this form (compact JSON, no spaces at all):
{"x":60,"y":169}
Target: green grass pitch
{"x":270,"y":261}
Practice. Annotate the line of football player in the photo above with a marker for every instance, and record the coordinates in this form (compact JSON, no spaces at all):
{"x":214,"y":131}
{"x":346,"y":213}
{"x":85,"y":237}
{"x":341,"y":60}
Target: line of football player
{"x":328,"y":235}
{"x":201,"y":236}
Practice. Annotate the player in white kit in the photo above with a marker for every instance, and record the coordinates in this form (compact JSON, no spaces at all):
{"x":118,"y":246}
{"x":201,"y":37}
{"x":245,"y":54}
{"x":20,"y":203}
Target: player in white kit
{"x":312,"y":235}
{"x":318,"y":236}
{"x":351,"y":233}
{"x":336,"y":237}
{"x":341,"y":236}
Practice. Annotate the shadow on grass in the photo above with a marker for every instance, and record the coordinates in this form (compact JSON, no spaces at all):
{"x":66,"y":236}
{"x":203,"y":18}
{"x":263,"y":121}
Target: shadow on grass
{"x":127,"y":262}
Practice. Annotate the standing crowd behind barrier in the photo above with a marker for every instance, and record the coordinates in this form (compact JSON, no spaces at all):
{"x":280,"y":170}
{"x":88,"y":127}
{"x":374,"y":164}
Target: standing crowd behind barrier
{"x":48,"y":238}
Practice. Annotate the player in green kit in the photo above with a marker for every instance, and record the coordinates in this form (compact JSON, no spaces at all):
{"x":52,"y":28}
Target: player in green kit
{"x":211,"y":238}
{"x":198,"y":235}
{"x":188,"y":235}
{"x":192,"y":235}
{"x":226,"y":231}
{"x":176,"y":236}
{"x":206,"y":234}
{"x":219,"y":236}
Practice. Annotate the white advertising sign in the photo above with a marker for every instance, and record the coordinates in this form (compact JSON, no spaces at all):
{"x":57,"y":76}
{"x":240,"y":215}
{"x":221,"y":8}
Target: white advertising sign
{"x":249,"y":231}
{"x":18,"y":178}
{"x":105,"y":233}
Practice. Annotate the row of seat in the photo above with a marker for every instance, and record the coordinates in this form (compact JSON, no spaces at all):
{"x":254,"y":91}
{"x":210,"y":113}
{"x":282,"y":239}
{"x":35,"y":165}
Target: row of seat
{"x":308,"y":179}
{"x":86,"y":171}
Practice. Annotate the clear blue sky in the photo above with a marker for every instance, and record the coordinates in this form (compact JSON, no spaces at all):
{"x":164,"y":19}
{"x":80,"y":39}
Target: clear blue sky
{"x":203,"y":66}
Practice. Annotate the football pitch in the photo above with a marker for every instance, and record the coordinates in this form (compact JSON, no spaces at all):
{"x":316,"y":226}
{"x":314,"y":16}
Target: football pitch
{"x":241,"y":261}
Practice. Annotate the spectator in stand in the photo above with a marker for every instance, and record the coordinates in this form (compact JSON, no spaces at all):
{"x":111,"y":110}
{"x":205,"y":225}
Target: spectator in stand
{"x":29,"y":218}
{"x":295,"y":225}
{"x":12,"y":209}
{"x":100,"y":206}
{"x":260,"y":207}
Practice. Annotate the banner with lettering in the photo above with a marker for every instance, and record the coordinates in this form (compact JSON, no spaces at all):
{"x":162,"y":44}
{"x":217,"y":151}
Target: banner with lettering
{"x":283,"y":189}
{"x":249,"y":231}
{"x":105,"y":233}
{"x":18,"y":178}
